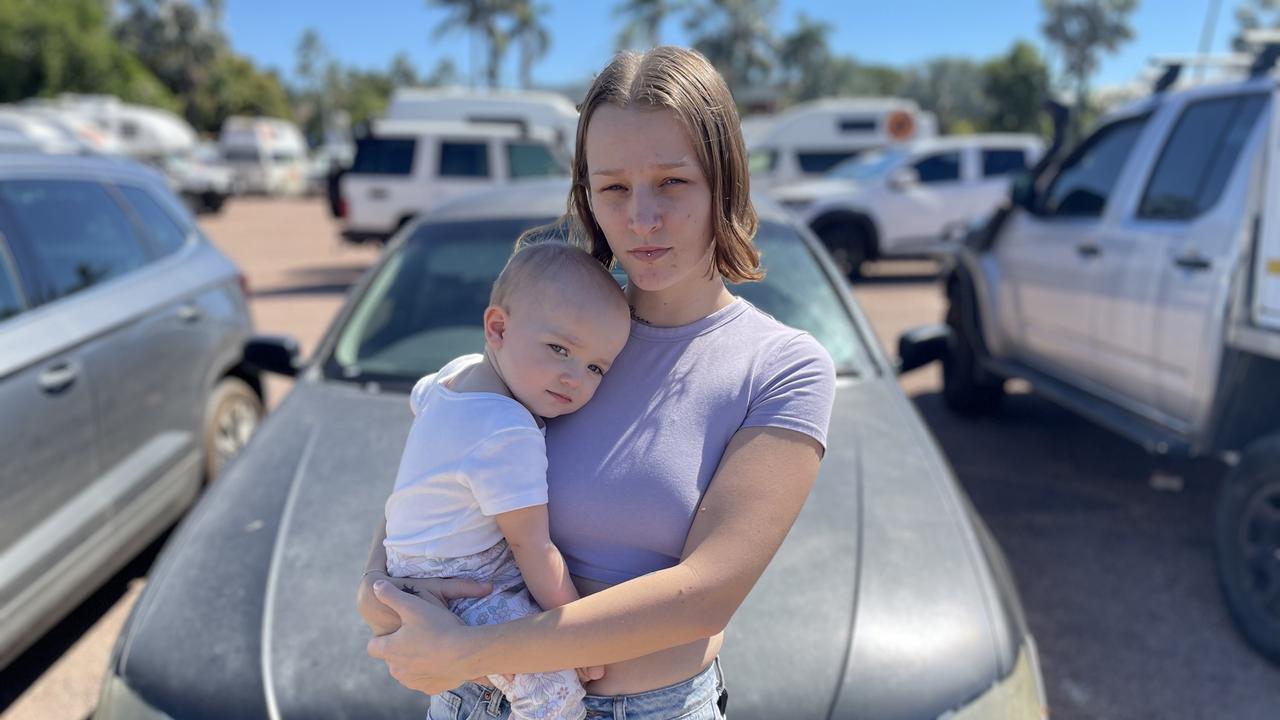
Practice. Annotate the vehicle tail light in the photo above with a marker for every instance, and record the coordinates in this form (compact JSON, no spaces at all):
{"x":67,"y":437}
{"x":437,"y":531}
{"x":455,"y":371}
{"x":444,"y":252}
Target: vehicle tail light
{"x":342,"y":207}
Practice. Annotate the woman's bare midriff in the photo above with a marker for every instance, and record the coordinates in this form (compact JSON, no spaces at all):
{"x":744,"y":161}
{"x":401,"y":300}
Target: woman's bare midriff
{"x":653,"y":671}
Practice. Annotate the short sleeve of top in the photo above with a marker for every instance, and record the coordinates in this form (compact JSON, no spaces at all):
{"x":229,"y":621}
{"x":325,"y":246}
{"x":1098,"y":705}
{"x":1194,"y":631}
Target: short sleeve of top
{"x":794,"y":389}
{"x":507,"y":471}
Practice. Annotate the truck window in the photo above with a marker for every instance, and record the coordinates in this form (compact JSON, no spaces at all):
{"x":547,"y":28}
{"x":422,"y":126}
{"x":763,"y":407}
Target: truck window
{"x":79,"y":235}
{"x":942,"y":167}
{"x":384,"y":156}
{"x":1087,"y":177}
{"x":820,"y":162}
{"x":1199,"y":156}
{"x":1003,"y":161}
{"x":532,"y":160}
{"x":464,"y":159}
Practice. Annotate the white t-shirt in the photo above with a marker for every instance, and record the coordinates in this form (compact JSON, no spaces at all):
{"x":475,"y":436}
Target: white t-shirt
{"x":469,"y":456}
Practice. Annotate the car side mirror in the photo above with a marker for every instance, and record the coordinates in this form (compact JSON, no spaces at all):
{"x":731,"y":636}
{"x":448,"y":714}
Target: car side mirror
{"x":923,"y":345}
{"x":1022,"y":191}
{"x":904,"y":179}
{"x":276,"y":354}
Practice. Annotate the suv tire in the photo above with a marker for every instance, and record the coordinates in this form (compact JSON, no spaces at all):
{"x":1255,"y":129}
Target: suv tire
{"x":233,"y":413}
{"x":849,"y":245}
{"x":967,"y":389}
{"x":1247,"y":543}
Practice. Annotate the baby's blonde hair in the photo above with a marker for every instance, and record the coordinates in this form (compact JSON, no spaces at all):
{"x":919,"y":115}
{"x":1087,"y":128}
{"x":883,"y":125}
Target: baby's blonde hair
{"x":547,"y":263}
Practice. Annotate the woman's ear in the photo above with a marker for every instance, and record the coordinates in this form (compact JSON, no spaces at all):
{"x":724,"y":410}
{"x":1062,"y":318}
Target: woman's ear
{"x":495,"y":325}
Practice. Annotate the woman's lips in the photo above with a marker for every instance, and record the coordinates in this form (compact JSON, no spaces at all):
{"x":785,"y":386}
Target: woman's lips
{"x":648,"y":253}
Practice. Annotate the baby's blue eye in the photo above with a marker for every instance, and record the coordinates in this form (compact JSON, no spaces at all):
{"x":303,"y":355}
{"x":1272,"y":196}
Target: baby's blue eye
{"x":558,"y":349}
{"x":596,"y":369}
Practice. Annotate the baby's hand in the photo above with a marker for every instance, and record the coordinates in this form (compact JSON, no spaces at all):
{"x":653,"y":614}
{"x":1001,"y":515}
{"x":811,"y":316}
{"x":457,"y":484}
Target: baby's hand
{"x":587,"y":674}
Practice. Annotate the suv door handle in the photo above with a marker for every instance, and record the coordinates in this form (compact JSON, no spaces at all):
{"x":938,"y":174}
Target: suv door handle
{"x":1088,"y":250}
{"x":1193,"y":261}
{"x":58,"y":376}
{"x":189,"y":312}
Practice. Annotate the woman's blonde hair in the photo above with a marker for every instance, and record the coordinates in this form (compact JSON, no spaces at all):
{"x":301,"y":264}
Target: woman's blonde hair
{"x":684,"y":82}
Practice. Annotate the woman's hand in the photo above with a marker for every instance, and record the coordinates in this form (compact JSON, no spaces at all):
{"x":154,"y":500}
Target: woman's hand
{"x":423,"y":654}
{"x":587,"y":674}
{"x":382,"y":620}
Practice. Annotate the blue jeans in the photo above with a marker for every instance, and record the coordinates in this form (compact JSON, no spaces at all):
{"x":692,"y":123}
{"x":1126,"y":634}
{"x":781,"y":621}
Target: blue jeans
{"x":701,"y":697}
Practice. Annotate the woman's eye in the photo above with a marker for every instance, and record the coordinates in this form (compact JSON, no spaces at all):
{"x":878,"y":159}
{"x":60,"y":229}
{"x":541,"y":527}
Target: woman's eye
{"x":609,"y":188}
{"x":558,"y":349}
{"x":596,"y":369}
{"x":674,"y":181}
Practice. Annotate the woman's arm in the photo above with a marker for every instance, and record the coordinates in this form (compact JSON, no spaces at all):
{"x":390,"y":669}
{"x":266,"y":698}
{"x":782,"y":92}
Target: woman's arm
{"x":754,"y":498}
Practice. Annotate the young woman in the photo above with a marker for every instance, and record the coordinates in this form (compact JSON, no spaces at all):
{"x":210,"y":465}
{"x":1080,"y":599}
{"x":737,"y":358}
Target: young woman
{"x":672,"y":490}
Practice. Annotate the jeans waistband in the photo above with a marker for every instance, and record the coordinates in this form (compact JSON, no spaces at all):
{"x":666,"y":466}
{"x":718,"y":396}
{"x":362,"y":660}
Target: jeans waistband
{"x":666,"y":702}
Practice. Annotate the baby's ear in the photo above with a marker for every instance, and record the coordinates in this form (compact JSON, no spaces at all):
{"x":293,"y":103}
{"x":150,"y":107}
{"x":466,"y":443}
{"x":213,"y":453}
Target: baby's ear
{"x":495,"y":325}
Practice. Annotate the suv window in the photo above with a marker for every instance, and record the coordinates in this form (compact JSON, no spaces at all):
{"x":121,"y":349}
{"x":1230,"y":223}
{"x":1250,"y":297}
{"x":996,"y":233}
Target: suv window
{"x":1087,"y":177}
{"x":1199,"y":156}
{"x":943,"y":167}
{"x":464,"y":159}
{"x":532,"y":160}
{"x":820,"y":162}
{"x":384,"y":156}
{"x":10,"y":295}
{"x":1003,"y":161}
{"x":166,"y":234}
{"x":79,"y":235}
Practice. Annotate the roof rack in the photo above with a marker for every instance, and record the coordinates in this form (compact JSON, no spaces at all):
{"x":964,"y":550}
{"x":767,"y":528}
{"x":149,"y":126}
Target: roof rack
{"x":1268,"y":50}
{"x":1173,"y":65}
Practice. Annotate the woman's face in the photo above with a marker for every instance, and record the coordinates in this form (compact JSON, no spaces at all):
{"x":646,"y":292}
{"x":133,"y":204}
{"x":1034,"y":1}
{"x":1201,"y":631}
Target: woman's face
{"x":650,"y":197}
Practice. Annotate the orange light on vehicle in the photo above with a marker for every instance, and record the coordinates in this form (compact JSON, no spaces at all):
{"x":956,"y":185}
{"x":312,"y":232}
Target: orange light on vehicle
{"x":901,"y":125}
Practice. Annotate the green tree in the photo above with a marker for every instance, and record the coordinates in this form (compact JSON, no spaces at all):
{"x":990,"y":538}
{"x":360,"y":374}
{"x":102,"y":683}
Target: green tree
{"x":532,"y":36}
{"x":484,"y":20}
{"x":50,"y":48}
{"x":643,"y":21}
{"x":1254,"y":15}
{"x":737,"y":37}
{"x":1016,"y":84}
{"x":952,"y":89}
{"x":1080,"y":30}
{"x":180,"y":43}
{"x":804,"y":59}
{"x":403,"y":73}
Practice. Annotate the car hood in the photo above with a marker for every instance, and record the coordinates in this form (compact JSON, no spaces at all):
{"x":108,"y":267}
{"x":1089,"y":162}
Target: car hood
{"x":879,"y":604}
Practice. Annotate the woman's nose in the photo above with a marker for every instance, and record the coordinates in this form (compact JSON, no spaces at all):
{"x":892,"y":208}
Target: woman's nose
{"x":645,"y":216}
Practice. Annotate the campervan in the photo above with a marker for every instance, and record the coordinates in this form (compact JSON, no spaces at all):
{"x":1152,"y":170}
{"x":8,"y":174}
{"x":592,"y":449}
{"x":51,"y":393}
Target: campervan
{"x":268,"y":155}
{"x":808,"y":139}
{"x":531,"y":107}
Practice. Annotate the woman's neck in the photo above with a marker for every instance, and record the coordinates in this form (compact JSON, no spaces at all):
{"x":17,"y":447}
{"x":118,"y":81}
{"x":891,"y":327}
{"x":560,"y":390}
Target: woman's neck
{"x":681,"y":304}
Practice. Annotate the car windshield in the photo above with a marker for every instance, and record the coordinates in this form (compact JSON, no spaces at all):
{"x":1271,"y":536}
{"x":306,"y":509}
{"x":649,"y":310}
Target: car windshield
{"x":424,"y":305}
{"x":869,"y":166}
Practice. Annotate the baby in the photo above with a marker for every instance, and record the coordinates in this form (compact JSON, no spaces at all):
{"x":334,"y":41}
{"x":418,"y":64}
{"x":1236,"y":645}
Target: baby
{"x":470,"y":498}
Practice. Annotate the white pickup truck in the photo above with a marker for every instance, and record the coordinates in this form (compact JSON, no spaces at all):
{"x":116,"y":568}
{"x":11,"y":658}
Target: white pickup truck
{"x":1136,"y":281}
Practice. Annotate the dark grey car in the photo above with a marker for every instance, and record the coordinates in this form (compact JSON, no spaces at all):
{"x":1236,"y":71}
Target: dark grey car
{"x":889,"y":599}
{"x":121,"y":383}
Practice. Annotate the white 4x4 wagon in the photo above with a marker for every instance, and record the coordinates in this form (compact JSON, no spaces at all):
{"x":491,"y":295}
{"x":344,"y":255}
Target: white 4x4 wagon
{"x":1136,"y":280}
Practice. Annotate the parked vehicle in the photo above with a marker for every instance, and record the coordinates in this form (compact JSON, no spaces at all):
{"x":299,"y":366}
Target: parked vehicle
{"x":21,"y":132}
{"x":78,"y":129}
{"x":1137,"y":281}
{"x":533,"y":108}
{"x":409,"y":167}
{"x":268,"y":155}
{"x":909,"y":200}
{"x":810,"y":138}
{"x":889,"y":598}
{"x":122,"y":386}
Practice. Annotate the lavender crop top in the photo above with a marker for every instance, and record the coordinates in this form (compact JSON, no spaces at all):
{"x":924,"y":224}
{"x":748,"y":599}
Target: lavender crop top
{"x":626,"y":473}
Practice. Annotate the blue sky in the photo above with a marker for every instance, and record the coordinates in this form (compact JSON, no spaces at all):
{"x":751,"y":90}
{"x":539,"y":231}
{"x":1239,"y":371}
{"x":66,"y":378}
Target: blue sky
{"x":901,"y":32}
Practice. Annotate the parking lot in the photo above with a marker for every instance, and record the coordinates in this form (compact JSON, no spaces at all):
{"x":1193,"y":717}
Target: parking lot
{"x":1112,"y":549}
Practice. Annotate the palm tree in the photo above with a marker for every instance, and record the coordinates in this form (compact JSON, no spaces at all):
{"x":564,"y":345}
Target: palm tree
{"x":644,"y":20}
{"x":737,"y":37}
{"x":480,"y":17}
{"x":533,"y":36}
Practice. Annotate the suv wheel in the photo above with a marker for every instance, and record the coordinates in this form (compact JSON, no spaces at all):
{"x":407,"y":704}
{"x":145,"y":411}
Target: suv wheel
{"x":849,"y":245}
{"x":234,"y":412}
{"x":1247,"y":541}
{"x":967,"y":389}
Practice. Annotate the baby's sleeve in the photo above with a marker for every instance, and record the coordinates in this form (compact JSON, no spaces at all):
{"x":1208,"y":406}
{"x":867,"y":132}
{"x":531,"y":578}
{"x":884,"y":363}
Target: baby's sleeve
{"x":795,"y":389}
{"x":508,"y":470}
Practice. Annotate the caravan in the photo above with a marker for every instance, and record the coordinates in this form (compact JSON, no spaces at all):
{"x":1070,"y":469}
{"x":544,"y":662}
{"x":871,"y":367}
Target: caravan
{"x":268,"y":155}
{"x":530,"y":107}
{"x":808,"y":139}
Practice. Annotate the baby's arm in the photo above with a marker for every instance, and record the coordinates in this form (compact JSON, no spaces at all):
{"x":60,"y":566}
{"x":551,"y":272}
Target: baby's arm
{"x":540,"y":561}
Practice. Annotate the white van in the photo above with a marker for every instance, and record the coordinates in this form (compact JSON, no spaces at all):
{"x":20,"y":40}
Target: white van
{"x":533,"y":107}
{"x":408,"y":167}
{"x":268,"y":155}
{"x":808,"y":139}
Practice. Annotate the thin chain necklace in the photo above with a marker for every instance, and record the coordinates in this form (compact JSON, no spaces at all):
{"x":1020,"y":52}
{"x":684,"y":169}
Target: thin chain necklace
{"x":635,"y":316}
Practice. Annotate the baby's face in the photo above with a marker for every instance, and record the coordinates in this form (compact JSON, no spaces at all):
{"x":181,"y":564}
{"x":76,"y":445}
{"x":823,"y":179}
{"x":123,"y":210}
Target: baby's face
{"x":554,"y":353}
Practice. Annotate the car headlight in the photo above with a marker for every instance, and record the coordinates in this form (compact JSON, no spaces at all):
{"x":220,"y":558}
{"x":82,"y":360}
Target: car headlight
{"x":1019,"y":696}
{"x":119,"y":702}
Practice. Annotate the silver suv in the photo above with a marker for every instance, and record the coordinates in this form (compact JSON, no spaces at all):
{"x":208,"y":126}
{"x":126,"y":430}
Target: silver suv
{"x":1136,"y":281}
{"x":122,"y":387}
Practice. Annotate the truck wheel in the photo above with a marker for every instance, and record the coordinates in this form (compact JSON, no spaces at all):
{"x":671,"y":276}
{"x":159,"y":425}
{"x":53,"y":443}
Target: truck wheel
{"x":234,"y":412}
{"x":849,"y":246}
{"x":1247,"y":541}
{"x":967,"y":389}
